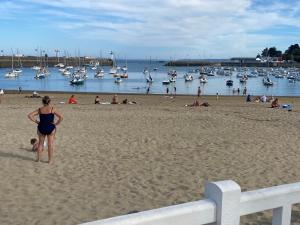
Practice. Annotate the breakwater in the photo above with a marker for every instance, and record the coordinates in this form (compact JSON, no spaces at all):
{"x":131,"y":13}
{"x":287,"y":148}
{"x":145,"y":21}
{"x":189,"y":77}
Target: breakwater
{"x":29,"y":61}
{"x":229,"y":63}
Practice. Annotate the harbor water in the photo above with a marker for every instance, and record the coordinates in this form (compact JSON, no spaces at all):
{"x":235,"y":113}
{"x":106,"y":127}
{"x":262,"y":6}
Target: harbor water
{"x":136,"y":82}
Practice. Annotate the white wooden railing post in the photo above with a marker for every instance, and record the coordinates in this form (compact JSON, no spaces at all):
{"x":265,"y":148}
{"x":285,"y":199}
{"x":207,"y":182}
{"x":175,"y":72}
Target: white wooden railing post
{"x":282,"y":215}
{"x":227,"y":196}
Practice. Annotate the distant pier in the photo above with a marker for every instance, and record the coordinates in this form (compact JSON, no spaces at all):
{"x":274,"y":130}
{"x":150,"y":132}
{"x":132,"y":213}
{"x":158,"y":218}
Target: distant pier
{"x":234,"y":62}
{"x":30,"y":61}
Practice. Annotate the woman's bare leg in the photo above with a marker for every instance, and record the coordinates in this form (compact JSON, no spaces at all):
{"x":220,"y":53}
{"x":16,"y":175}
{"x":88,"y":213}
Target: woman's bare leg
{"x":40,"y":146}
{"x":50,"y":146}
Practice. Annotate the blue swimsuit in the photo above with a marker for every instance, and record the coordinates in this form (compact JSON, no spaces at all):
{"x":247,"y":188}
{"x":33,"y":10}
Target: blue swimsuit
{"x":46,"y":125}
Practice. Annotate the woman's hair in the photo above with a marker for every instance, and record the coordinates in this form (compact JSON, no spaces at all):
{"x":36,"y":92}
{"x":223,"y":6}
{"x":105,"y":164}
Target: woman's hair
{"x":46,"y":100}
{"x":33,"y":141}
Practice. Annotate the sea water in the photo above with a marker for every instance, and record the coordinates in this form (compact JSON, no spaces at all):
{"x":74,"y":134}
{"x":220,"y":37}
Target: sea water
{"x":136,"y":83}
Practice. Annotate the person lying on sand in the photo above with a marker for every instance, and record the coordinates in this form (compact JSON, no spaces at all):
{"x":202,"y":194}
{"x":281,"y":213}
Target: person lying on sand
{"x":34,"y":95}
{"x":125,"y":101}
{"x":196,"y":104}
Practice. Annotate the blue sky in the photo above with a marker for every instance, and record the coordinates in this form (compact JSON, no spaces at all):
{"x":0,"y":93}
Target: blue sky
{"x":161,"y":29}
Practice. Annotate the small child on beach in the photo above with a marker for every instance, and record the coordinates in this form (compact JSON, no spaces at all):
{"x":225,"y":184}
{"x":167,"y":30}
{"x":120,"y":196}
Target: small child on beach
{"x":34,"y":142}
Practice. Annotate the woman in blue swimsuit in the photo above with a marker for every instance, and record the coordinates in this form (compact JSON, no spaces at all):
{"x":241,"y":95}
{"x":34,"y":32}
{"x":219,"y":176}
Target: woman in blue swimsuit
{"x":46,"y":126}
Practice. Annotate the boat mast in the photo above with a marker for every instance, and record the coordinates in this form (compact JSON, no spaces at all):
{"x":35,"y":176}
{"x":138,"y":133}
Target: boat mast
{"x":12,"y":60}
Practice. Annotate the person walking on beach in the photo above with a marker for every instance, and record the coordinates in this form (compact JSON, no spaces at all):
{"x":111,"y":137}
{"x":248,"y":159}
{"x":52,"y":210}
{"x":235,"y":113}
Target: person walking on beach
{"x":148,"y":90}
{"x":199,"y":91}
{"x":175,"y":90}
{"x":167,"y":90}
{"x":20,"y":90}
{"x":238,"y":91}
{"x":46,"y":126}
{"x":1,"y":93}
{"x":245,"y":91}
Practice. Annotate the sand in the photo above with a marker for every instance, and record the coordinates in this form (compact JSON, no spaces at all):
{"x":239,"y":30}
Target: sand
{"x":113,"y":159}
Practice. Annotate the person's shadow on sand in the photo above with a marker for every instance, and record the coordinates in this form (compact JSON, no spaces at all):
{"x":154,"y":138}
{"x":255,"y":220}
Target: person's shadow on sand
{"x":15,"y":156}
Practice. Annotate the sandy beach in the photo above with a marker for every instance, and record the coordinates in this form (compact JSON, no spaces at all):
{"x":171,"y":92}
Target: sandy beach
{"x":113,"y":159}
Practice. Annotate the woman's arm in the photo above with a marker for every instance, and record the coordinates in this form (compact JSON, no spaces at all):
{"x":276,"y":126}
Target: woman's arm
{"x":32,"y":115}
{"x":60,"y":117}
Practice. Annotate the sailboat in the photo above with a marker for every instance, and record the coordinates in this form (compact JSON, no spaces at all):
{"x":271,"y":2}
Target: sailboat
{"x":18,"y":70}
{"x":124,"y":71}
{"x":113,"y":70}
{"x":77,"y":79}
{"x":36,"y":67}
{"x":100,"y":71}
{"x":188,"y":77}
{"x":43,"y":71}
{"x":12,"y":73}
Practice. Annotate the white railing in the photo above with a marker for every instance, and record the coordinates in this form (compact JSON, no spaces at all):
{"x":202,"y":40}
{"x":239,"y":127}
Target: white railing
{"x":224,"y":205}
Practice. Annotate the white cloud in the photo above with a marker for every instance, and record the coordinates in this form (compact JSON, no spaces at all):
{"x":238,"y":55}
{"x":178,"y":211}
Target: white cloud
{"x":224,"y":27}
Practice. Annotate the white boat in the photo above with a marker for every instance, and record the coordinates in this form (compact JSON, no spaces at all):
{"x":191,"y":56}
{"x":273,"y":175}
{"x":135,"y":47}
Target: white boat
{"x":77,"y":79}
{"x":60,"y":65}
{"x":113,"y":70}
{"x":36,"y":67}
{"x":40,"y":75}
{"x":146,"y":71}
{"x":172,"y":79}
{"x":172,"y":73}
{"x":203,"y":80}
{"x":166,"y":82}
{"x":17,"y":71}
{"x":239,"y":75}
{"x":99,"y":73}
{"x":243,"y":79}
{"x":11,"y":74}
{"x":188,"y":77}
{"x":149,"y":80}
{"x":118,"y":80}
{"x":66,"y":72}
{"x":267,"y":81}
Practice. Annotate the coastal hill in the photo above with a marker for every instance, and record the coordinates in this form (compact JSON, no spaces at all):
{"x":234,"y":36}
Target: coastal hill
{"x":29,"y":61}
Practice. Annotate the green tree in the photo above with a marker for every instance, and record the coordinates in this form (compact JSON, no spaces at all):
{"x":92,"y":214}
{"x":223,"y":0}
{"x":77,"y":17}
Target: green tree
{"x":292,"y":53}
{"x":273,"y":52}
{"x":265,"y":52}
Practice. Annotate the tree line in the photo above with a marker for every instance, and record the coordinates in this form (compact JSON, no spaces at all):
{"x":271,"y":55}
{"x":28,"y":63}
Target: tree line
{"x":292,"y":53}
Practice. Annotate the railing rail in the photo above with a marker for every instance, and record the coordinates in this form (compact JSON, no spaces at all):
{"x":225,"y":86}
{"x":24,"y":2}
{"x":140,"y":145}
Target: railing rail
{"x":224,"y":205}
